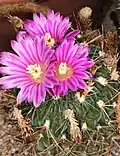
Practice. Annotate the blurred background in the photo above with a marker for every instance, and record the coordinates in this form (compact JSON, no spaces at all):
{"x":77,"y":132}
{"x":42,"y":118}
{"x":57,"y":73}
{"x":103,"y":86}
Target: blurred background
{"x":100,"y":8}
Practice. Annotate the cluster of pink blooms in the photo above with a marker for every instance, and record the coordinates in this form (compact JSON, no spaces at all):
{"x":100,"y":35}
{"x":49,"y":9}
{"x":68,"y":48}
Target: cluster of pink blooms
{"x":47,"y":60}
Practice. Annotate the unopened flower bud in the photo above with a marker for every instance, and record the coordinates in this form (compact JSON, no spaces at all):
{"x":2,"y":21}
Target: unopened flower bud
{"x":85,"y":12}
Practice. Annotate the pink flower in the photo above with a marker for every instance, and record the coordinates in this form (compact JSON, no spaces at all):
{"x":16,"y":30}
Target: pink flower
{"x":54,"y":27}
{"x":31,"y":70}
{"x":71,"y":67}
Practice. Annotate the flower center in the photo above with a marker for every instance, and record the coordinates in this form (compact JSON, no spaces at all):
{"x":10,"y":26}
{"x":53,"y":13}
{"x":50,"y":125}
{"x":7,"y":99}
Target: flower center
{"x":49,"y":40}
{"x":63,"y":72}
{"x":35,"y":71}
{"x":63,"y":68}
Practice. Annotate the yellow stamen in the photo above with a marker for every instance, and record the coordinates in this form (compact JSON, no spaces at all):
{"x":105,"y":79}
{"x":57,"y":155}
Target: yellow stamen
{"x":63,"y":71}
{"x":63,"y":68}
{"x":49,"y":40}
{"x":34,"y":70}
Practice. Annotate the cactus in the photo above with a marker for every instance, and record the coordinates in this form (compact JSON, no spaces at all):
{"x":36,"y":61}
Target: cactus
{"x":93,"y":114}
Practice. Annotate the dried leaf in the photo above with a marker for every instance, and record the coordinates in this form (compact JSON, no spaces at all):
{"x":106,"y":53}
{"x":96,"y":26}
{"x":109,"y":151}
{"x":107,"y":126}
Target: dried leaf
{"x":110,"y":61}
{"x":94,"y":69}
{"x":110,"y":48}
{"x":17,"y":114}
{"x":22,"y":7}
{"x":38,"y":133}
{"x":114,"y":75}
{"x":24,"y":124}
{"x":110,"y":42}
{"x":74,"y":126}
{"x":118,"y":112}
{"x":16,"y":21}
{"x":115,"y":146}
{"x":25,"y":127}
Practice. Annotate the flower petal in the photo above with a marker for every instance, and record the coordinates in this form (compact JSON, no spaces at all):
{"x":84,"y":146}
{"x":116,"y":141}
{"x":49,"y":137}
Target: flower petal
{"x":22,"y":95}
{"x":72,"y":33}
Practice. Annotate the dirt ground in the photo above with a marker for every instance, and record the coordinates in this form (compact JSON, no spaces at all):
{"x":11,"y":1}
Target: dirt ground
{"x":10,"y":142}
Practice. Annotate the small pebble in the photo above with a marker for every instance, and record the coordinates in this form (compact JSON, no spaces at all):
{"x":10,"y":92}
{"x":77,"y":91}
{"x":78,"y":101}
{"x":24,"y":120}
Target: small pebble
{"x":26,"y":153}
{"x":9,"y":126}
{"x":13,"y":150}
{"x":12,"y":141}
